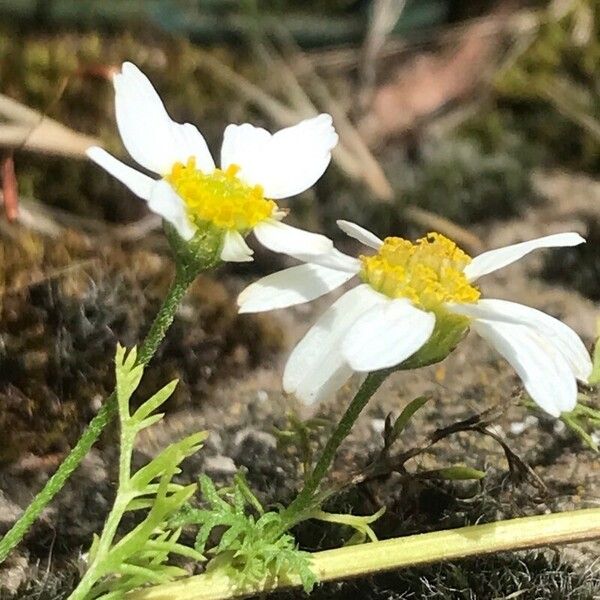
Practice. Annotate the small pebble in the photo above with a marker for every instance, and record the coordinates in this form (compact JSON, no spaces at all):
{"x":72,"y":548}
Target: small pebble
{"x":378,"y":425}
{"x":221,"y":465}
{"x":518,"y":427}
{"x":262,"y":396}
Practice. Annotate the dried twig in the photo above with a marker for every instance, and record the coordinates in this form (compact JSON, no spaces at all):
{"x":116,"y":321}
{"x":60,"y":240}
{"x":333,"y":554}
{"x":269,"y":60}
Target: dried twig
{"x":370,"y":169}
{"x":384,"y":16}
{"x":386,"y":463}
{"x":278,"y":111}
{"x":32,"y":130}
{"x":434,"y":222}
{"x":52,"y":274}
{"x":52,"y":222}
{"x":9,"y":187}
{"x":305,"y":107}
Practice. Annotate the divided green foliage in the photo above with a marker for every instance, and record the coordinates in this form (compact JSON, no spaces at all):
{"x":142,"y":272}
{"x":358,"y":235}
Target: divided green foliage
{"x":143,"y":554}
{"x":248,"y":542}
{"x":585,"y":418}
{"x":581,"y":420}
{"x":301,"y":437}
{"x":594,"y":378}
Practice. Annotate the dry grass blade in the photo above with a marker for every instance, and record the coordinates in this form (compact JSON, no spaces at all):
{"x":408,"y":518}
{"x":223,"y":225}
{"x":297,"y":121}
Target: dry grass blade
{"x":370,"y":169}
{"x":31,"y":130}
{"x":9,"y":187}
{"x":304,"y":106}
{"x":385,"y":15}
{"x":279,"y":112}
{"x":356,"y":167}
{"x":49,"y":276}
{"x":431,"y":221}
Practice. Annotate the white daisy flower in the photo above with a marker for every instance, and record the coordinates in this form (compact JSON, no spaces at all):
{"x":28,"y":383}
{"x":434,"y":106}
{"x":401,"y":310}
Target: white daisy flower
{"x":415,"y":302}
{"x":257,"y":168}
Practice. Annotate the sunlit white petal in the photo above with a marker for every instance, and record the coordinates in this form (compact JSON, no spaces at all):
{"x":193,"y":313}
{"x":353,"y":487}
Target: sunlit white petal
{"x":151,"y":137}
{"x":386,"y":335}
{"x":546,"y":374}
{"x":166,"y":203}
{"x":493,"y":260}
{"x":286,"y":239}
{"x":235,"y":248}
{"x":290,"y":287}
{"x":241,"y":144}
{"x":326,"y":379}
{"x":364,"y":236}
{"x":139,"y":183}
{"x":557,"y":333}
{"x":285,"y":163}
{"x":333,"y":260}
{"x":316,"y":366}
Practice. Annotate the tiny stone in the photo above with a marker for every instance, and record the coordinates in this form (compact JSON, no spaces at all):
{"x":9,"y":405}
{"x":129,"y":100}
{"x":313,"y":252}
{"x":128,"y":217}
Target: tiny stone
{"x":223,"y":465}
{"x":262,"y":396}
{"x":518,"y":427}
{"x":186,"y":311}
{"x":214,"y":442}
{"x":14,"y":574}
{"x":96,"y":403}
{"x":378,"y":425}
{"x":9,"y":511}
{"x":94,"y":467}
{"x":261,"y":437}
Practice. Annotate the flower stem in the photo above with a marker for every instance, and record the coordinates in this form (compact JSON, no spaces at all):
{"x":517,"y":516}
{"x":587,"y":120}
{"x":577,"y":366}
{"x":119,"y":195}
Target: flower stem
{"x":104,"y":543}
{"x":184,"y":277}
{"x":305,"y":499}
{"x":364,"y":559}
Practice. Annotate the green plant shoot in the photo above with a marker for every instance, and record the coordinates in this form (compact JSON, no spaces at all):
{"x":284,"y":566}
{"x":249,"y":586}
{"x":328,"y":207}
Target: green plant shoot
{"x":141,"y":556}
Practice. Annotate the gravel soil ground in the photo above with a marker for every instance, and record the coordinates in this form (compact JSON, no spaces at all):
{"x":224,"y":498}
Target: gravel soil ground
{"x":230,"y":370}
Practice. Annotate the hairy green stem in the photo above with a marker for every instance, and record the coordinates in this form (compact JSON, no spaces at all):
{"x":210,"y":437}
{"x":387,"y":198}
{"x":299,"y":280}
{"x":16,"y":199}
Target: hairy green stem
{"x":94,"y":573}
{"x":305,"y":500}
{"x":364,"y":559}
{"x":183,"y":278}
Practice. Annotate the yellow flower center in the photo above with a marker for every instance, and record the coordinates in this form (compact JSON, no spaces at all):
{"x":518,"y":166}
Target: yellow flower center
{"x":428,"y":272}
{"x":220,"y":198}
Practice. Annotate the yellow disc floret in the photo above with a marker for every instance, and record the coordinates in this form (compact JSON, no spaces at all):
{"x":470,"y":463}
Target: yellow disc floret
{"x":428,"y":272}
{"x":220,"y":198}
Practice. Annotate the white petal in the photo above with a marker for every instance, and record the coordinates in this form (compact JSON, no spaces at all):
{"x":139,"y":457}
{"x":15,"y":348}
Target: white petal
{"x":286,"y":239}
{"x":241,"y":145}
{"x":139,"y":183}
{"x":332,"y":260}
{"x":290,"y":287}
{"x":325,"y":380}
{"x":493,"y":260}
{"x":150,"y":136}
{"x":545,"y":373}
{"x":189,"y":142}
{"x":235,"y":248}
{"x":364,"y":236}
{"x":166,"y":203}
{"x":386,"y":335}
{"x":316,"y":368}
{"x":285,"y":163}
{"x":561,"y":336}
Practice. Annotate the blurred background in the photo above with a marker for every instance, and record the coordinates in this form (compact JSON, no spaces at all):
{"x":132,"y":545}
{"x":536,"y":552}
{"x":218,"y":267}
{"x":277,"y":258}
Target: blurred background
{"x":477,"y":119}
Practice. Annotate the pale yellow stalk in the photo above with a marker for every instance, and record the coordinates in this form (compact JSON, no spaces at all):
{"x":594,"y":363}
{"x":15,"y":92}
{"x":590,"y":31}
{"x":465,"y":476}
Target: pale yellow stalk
{"x":515,"y":534}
